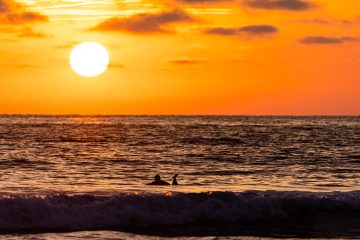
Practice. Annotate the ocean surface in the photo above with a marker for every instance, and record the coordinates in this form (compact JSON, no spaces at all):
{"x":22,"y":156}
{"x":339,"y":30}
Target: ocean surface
{"x":241,"y":177}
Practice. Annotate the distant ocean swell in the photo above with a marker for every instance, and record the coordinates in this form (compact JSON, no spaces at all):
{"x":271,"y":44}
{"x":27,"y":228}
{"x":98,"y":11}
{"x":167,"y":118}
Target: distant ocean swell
{"x":269,"y":213}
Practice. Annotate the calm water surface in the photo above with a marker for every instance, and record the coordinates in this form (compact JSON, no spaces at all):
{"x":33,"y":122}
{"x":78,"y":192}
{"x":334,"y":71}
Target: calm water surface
{"x":106,"y":154}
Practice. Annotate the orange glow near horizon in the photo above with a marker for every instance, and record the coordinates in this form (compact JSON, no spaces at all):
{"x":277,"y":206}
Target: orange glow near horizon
{"x":247,"y":57}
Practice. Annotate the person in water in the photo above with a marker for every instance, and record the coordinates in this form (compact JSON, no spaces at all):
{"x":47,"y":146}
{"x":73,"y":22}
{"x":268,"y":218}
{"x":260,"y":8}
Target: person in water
{"x":174,"y":182}
{"x":160,"y":182}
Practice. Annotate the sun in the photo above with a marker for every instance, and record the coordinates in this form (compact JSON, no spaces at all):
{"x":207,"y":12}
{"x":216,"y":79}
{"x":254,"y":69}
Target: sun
{"x":89,"y":59}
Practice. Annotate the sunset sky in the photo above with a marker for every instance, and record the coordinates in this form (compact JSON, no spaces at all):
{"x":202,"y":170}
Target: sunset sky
{"x":278,"y":57}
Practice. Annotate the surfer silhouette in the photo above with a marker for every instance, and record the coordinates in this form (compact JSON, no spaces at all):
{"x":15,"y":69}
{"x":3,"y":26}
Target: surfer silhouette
{"x":158,"y":181}
{"x":174,"y":182}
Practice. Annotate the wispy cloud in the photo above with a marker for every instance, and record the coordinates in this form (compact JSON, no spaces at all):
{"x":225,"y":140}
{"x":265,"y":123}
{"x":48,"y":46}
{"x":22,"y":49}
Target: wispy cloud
{"x":12,"y":12}
{"x":327,"y":40}
{"x":324,"y":21}
{"x":60,"y":10}
{"x":251,"y":30}
{"x":204,"y":1}
{"x":291,"y":5}
{"x":28,"y":32}
{"x":145,"y":23}
{"x":222,"y":31}
{"x":16,"y":20}
{"x":188,"y":61}
{"x":258,"y":29}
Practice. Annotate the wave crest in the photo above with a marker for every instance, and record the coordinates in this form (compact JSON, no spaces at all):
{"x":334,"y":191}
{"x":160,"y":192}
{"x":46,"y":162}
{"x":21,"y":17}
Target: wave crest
{"x":224,"y":213}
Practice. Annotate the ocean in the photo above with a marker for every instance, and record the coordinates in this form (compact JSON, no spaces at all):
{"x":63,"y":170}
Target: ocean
{"x":240,"y":177}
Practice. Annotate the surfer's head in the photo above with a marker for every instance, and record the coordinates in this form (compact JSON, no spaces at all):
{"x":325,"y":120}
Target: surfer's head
{"x":157,"y":177}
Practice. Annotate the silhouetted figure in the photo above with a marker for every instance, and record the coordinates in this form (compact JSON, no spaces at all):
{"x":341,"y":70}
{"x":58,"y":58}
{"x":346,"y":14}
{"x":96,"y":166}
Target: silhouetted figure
{"x":158,"y":181}
{"x":174,"y":182}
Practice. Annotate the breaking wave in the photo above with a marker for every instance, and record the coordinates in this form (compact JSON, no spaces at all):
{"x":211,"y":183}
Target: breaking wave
{"x":269,"y":213}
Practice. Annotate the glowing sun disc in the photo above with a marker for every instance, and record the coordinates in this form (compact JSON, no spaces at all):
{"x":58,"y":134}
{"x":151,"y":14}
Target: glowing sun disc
{"x":89,"y":59}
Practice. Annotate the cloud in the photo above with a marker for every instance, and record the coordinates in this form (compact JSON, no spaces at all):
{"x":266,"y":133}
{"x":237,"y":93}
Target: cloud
{"x":322,"y":21}
{"x":14,"y":19}
{"x":12,"y":12}
{"x":188,"y":61}
{"x":258,"y":29}
{"x":145,"y":23}
{"x":203,"y":1}
{"x":4,"y":7}
{"x":24,"y":17}
{"x":291,"y":5}
{"x":222,"y":31}
{"x":251,"y":30}
{"x":327,"y":40}
{"x":28,"y":32}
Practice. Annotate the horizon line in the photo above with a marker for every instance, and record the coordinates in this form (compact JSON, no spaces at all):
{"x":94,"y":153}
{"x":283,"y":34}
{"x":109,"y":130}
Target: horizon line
{"x":174,"y":115}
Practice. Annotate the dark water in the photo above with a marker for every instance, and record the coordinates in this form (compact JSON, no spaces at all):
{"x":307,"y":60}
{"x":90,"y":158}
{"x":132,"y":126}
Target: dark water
{"x":66,"y":166}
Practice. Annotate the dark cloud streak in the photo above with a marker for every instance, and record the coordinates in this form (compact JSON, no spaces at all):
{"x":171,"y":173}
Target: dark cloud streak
{"x":222,"y":31}
{"x":258,"y":29}
{"x":323,"y":21}
{"x":12,"y":12}
{"x":251,"y":30}
{"x":146,"y":23}
{"x":203,"y":1}
{"x":187,"y":61}
{"x":291,"y":5}
{"x":326,"y":40}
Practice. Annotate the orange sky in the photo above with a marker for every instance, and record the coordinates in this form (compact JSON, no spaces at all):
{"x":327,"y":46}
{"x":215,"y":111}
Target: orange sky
{"x":278,"y":57}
